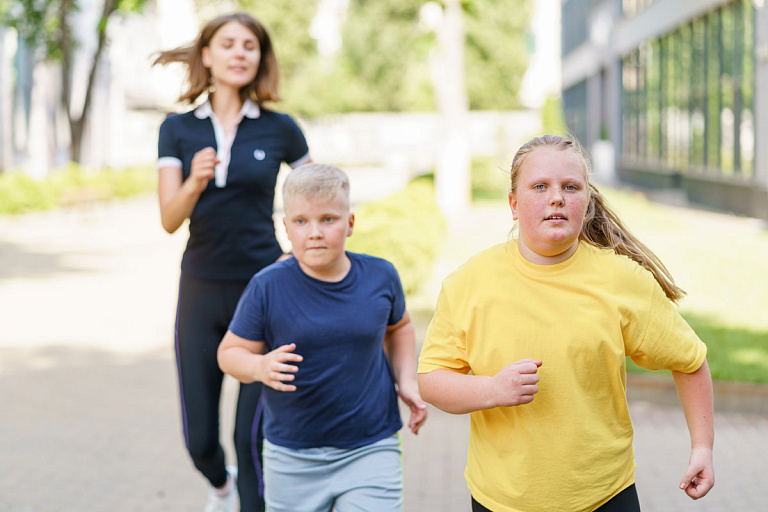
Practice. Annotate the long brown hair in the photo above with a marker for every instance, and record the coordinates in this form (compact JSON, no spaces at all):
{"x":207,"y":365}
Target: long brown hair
{"x":264,"y":87}
{"x":602,"y":228}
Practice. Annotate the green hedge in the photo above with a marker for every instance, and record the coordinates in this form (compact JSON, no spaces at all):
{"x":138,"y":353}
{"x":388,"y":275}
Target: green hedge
{"x":405,"y":228}
{"x":20,"y":193}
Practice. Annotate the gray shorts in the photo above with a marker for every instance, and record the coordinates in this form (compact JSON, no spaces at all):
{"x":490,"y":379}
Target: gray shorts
{"x":365,"y":479}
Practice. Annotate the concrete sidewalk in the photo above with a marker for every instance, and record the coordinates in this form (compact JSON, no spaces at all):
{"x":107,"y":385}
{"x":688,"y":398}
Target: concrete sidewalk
{"x":89,"y":417}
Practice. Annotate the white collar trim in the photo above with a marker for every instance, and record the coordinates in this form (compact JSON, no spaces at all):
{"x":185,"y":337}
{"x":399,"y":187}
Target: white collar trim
{"x":250,"y":110}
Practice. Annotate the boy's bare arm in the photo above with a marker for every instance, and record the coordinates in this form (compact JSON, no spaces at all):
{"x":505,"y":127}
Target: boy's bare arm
{"x":244,"y":360}
{"x":695,"y":392}
{"x":400,"y":347}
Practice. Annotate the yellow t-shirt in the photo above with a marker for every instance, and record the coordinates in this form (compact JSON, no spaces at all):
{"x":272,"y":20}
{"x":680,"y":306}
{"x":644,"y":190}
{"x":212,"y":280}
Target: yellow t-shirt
{"x":571,"y":448}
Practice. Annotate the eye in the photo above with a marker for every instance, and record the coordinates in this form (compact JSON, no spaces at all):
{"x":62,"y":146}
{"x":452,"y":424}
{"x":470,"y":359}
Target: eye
{"x":539,"y":186}
{"x":251,"y":45}
{"x":328,"y":219}
{"x":571,"y":187}
{"x":300,"y":222}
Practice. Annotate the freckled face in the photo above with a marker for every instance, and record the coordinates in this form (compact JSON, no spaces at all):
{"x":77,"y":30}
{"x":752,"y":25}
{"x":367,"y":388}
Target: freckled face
{"x":233,"y":56}
{"x":318,"y":229}
{"x":550,"y":204}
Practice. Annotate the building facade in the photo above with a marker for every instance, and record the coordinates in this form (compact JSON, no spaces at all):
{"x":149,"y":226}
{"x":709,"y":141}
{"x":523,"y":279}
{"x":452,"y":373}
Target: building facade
{"x":678,"y":88}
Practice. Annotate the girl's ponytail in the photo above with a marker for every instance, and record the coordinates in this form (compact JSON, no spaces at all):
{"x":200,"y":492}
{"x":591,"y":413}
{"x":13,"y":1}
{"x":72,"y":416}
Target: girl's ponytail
{"x":603,"y":228}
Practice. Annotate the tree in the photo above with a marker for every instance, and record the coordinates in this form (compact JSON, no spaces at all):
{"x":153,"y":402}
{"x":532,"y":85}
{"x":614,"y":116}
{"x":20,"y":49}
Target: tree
{"x":497,"y":50}
{"x":48,"y":24}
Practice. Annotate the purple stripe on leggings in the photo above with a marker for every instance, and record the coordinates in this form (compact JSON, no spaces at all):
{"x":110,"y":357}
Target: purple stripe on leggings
{"x":178,"y":369}
{"x":255,"y":426}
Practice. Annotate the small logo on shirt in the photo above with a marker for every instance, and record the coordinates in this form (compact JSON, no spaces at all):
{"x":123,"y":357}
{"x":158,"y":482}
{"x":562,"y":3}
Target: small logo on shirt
{"x":259,"y":154}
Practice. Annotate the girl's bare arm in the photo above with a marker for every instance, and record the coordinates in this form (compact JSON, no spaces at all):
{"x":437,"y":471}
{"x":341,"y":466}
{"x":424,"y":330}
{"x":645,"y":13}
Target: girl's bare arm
{"x":695,"y":392}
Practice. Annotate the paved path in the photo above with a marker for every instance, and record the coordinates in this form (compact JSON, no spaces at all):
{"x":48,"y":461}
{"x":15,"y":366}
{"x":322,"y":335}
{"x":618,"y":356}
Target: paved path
{"x":89,"y":419}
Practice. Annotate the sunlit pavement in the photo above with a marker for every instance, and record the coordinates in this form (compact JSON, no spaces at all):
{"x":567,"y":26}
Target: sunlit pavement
{"x":89,"y":419}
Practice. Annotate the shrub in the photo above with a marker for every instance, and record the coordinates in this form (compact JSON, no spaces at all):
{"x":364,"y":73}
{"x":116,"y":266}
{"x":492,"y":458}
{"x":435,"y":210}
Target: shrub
{"x":405,"y":228}
{"x":19,"y":193}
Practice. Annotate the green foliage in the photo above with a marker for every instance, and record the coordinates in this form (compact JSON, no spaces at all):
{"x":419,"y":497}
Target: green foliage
{"x":30,"y":18}
{"x":384,"y":63}
{"x":288,"y":24}
{"x":20,"y":193}
{"x":39,"y":22}
{"x":496,"y":52}
{"x":375,"y":70}
{"x":405,"y":228}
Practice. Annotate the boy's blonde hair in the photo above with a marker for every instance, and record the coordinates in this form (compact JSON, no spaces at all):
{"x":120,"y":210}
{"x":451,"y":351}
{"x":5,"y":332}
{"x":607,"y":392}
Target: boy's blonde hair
{"x":602,"y":228}
{"x":310,"y":181}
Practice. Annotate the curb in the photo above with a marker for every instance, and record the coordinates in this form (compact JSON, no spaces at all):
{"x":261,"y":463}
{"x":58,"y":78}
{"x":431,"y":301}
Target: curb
{"x":741,"y":397}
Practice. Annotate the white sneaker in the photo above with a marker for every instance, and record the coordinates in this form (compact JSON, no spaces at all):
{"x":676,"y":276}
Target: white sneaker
{"x":228,"y":502}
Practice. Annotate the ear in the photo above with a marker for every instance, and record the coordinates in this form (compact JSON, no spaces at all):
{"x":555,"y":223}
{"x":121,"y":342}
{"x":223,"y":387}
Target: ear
{"x":513,"y":205}
{"x":351,"y":224}
{"x":206,"y":55}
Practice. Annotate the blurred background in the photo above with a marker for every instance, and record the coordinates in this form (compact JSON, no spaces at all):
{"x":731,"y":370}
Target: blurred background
{"x":666,"y":94}
{"x":424,"y":105}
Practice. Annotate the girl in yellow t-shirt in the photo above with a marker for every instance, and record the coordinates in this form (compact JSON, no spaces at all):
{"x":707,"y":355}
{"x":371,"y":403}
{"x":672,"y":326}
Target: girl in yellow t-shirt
{"x":530,"y":337}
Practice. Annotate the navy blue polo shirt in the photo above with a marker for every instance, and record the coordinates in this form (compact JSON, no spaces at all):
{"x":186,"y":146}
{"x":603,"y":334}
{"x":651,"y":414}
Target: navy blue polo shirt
{"x":231,"y":230}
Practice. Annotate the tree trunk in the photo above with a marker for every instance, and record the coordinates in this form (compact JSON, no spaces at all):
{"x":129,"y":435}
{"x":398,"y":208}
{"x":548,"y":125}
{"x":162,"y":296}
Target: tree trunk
{"x":452,"y":178}
{"x":78,"y":123}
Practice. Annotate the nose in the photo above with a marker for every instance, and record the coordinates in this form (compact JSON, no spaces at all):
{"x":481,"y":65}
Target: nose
{"x":556,"y":197}
{"x":316,"y":231}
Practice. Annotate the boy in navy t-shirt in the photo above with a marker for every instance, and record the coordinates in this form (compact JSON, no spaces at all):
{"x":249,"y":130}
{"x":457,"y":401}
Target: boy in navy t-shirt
{"x":311,"y":329}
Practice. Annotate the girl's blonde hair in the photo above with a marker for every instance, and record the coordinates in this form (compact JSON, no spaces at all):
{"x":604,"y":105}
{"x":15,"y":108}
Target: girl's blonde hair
{"x":602,"y":228}
{"x":310,"y":181}
{"x":264,"y":87}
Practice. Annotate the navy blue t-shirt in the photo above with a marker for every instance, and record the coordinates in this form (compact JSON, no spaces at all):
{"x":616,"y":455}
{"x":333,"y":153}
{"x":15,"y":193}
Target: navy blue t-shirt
{"x":345,"y":394}
{"x":231,"y":230}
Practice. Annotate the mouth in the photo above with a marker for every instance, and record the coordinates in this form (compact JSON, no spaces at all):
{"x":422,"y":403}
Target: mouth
{"x":556,"y":216}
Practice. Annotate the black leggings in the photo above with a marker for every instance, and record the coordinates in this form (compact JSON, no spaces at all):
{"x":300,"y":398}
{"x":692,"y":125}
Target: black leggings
{"x":625,"y":501}
{"x":204,"y":311}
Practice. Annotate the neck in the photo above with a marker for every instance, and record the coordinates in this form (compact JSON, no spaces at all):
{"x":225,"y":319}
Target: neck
{"x":226,"y":103}
{"x":545,"y":259}
{"x":332,"y":274}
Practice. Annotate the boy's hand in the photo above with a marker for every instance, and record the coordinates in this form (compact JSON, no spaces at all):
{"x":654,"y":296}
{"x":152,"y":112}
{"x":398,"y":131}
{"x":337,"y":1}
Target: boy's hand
{"x":273,"y":370}
{"x":516,"y":383}
{"x":409,"y":394}
{"x":700,"y":477}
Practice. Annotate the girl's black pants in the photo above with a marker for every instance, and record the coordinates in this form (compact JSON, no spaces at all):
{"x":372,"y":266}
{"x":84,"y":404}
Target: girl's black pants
{"x":204,"y":310}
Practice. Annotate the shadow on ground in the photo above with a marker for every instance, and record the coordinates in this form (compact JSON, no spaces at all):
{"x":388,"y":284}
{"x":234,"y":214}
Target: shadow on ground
{"x":19,"y":263}
{"x":87,"y":427}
